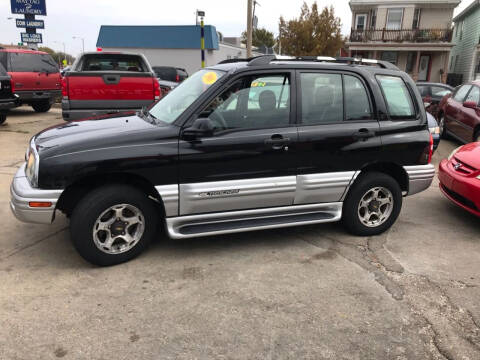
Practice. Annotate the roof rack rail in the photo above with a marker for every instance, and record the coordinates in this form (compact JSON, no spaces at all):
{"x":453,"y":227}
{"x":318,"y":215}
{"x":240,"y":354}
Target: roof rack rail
{"x":267,"y":59}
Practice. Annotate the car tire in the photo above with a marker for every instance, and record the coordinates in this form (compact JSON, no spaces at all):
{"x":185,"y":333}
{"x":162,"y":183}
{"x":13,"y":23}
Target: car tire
{"x":361,"y":209}
{"x":42,"y":106}
{"x":3,"y":118}
{"x":442,"y":126}
{"x":100,"y":217}
{"x":476,"y":136}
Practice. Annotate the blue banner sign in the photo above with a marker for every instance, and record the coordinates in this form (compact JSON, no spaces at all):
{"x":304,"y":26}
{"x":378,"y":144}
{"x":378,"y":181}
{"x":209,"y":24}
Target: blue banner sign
{"x":33,"y":7}
{"x":35,"y":24}
{"x":31,"y":38}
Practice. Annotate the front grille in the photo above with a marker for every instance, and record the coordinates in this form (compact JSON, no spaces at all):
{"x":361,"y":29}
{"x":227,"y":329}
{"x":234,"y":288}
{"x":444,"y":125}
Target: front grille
{"x":462,"y":167}
{"x":462,"y":200}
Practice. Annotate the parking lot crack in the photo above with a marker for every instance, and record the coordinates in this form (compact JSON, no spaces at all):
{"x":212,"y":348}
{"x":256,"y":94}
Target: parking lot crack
{"x":25,"y":247}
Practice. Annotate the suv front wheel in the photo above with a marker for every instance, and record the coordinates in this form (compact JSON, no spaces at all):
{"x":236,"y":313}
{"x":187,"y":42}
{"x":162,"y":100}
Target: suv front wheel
{"x":113,"y":224}
{"x":372,"y":204}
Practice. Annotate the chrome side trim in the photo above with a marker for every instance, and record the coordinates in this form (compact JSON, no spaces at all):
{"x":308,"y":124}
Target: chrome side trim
{"x":350,"y":185}
{"x":216,"y":196}
{"x":420,"y":177}
{"x":22,"y":193}
{"x":324,"y":187}
{"x":169,"y":195}
{"x":175,"y":224}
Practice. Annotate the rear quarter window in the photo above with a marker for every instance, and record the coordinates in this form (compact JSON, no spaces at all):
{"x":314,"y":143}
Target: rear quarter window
{"x":397,"y":97}
{"x":28,"y":62}
{"x":113,"y":62}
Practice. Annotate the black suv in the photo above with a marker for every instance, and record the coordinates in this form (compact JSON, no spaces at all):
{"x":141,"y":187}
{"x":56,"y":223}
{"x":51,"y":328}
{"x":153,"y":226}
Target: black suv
{"x":8,"y":99}
{"x":239,"y":146}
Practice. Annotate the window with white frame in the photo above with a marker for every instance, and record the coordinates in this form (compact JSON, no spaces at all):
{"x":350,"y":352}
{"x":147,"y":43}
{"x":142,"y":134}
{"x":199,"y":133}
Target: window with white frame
{"x":394,"y":19}
{"x":360,"y":21}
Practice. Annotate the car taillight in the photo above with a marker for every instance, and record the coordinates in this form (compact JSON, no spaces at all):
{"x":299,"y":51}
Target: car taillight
{"x":12,"y":86}
{"x":177,"y":78}
{"x":156,"y":89}
{"x":65,"y":88}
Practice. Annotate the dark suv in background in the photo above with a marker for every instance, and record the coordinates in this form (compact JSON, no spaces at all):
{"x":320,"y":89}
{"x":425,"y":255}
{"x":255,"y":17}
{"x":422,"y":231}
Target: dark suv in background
{"x":8,"y":99}
{"x":239,"y":146}
{"x":35,"y":76}
{"x":169,"y":77}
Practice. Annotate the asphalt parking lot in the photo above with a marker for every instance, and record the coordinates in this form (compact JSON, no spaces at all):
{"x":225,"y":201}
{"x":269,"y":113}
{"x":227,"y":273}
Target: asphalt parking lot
{"x":309,"y":292}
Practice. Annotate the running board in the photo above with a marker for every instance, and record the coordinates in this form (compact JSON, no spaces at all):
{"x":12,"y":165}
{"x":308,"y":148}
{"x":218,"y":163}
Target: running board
{"x":190,"y":226}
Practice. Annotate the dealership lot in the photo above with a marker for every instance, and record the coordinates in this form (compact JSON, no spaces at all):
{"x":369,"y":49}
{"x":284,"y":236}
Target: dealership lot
{"x":307,"y":292}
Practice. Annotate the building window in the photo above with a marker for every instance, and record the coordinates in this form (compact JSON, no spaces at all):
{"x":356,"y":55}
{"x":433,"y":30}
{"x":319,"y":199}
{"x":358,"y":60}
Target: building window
{"x":411,"y":60}
{"x":361,"y":22}
{"x":461,"y":29}
{"x":416,"y":19}
{"x":390,"y":56}
{"x":394,"y":19}
{"x":456,"y":63}
{"x":373,"y":19}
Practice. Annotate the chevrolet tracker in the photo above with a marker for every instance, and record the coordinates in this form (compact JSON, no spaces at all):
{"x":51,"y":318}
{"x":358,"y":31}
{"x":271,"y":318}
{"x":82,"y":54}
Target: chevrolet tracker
{"x":244,"y":145}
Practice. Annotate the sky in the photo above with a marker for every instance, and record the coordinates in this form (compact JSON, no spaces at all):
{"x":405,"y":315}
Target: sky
{"x":68,"y":18}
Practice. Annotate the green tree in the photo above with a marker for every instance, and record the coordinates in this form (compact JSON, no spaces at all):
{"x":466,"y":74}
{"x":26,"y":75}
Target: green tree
{"x":260,"y":37}
{"x":57,"y":56}
{"x":313,"y":33}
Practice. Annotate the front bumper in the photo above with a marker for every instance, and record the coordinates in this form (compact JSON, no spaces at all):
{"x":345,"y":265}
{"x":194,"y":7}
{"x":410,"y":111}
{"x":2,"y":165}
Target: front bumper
{"x":463,"y":190}
{"x":420,"y":177}
{"x":22,"y":193}
{"x":6,"y":104}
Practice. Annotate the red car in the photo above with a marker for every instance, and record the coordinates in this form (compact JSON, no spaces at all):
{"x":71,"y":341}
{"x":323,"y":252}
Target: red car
{"x":460,"y":177}
{"x":459,"y":114}
{"x":35,"y":76}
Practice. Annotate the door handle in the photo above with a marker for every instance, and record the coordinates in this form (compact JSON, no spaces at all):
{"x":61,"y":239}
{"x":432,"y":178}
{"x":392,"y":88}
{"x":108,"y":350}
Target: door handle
{"x":277,"y":142}
{"x":363,"y":134}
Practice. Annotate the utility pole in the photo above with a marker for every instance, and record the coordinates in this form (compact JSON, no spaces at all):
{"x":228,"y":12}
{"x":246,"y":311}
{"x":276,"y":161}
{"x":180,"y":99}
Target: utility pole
{"x":249,"y":29}
{"x":83,"y":42}
{"x":202,"y":36}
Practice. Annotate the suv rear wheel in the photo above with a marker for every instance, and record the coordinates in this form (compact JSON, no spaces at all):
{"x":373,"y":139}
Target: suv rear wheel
{"x":113,"y":224}
{"x":42,"y":106}
{"x":372,"y":204}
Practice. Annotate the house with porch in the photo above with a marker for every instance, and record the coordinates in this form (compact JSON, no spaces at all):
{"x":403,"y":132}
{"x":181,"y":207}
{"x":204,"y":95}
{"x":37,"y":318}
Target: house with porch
{"x":415,"y":35}
{"x":464,"y":58}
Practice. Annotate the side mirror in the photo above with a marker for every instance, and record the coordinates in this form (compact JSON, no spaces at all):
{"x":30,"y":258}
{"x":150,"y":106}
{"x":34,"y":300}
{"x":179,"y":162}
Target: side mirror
{"x":470,"y":104}
{"x":200,"y":127}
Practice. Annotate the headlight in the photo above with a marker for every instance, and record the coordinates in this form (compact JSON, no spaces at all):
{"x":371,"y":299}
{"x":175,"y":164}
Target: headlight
{"x":31,"y":169}
{"x":434,"y":130}
{"x":453,"y":153}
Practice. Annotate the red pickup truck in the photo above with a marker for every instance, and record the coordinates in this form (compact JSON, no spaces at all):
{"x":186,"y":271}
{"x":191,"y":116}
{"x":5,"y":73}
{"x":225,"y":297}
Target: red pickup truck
{"x":103,"y":83}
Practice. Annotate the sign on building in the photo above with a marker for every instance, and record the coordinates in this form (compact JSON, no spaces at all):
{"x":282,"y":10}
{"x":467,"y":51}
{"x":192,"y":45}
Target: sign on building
{"x":31,"y":38}
{"x":32,"y":7}
{"x":34,"y":24}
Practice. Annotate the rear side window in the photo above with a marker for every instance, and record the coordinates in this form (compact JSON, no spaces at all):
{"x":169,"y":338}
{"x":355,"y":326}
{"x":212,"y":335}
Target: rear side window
{"x":423,"y":90}
{"x":474,"y":95}
{"x":357,"y":105}
{"x":113,"y":62}
{"x":166,"y":73}
{"x":440,"y":91}
{"x":28,"y":62}
{"x":398,"y":98}
{"x":461,"y":93}
{"x":322,"y":98}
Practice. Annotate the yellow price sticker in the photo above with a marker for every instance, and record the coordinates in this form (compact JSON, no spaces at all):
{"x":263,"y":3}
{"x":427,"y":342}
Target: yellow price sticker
{"x":259,"y":84}
{"x":209,"y":78}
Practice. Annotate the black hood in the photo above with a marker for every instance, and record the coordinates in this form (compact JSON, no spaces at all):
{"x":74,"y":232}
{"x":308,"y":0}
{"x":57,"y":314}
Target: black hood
{"x":119,"y":130}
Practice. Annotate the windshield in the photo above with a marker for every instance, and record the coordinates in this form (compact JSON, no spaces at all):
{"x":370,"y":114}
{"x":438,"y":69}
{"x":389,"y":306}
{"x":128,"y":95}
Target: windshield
{"x":171,"y":106}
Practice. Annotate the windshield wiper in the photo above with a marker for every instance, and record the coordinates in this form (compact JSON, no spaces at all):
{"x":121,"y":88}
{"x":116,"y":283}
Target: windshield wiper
{"x":147,"y":116}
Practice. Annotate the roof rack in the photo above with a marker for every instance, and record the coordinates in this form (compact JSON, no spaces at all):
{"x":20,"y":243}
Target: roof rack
{"x":267,"y":59}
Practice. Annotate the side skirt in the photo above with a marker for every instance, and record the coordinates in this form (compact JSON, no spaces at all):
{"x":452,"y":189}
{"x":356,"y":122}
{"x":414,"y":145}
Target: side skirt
{"x":190,"y":226}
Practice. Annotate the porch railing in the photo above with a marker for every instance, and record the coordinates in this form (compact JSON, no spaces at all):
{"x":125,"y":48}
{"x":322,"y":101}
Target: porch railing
{"x":399,"y":36}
